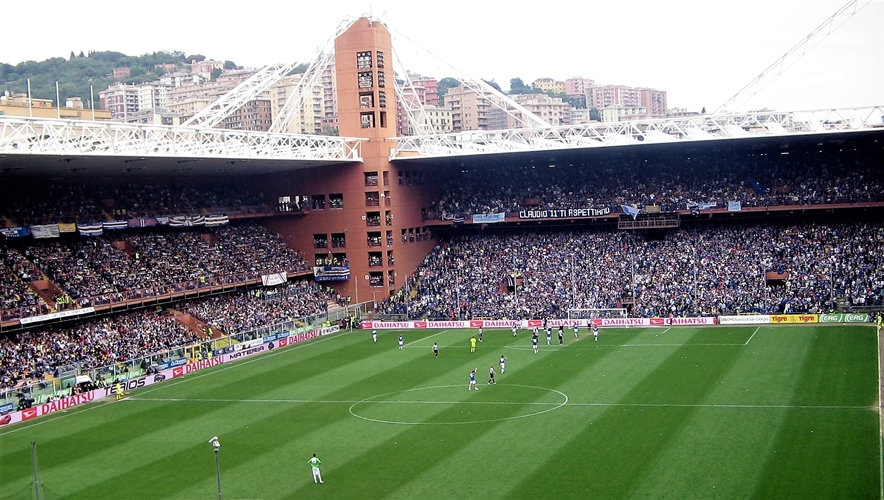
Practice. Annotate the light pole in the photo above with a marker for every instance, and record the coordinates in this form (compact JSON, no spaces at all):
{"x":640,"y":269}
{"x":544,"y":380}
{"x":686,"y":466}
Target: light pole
{"x":457,"y":291}
{"x":573,"y":285}
{"x":696,"y":283}
{"x":356,"y":278}
{"x":633,"y":283}
{"x":217,"y":446}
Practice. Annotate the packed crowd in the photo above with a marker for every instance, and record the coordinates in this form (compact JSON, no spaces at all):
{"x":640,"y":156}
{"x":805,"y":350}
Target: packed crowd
{"x":692,"y":271}
{"x":678,"y":183}
{"x":248,"y":310}
{"x":52,"y":203}
{"x":16,"y":273}
{"x":124,"y":266}
{"x":95,"y":343}
{"x":34,"y":355}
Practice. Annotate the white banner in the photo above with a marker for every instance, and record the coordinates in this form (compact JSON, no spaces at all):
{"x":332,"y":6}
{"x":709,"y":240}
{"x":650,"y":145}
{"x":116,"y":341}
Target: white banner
{"x":45,"y":231}
{"x":274,"y":279}
{"x":62,"y":314}
{"x":693,"y":321}
{"x":753,"y":319}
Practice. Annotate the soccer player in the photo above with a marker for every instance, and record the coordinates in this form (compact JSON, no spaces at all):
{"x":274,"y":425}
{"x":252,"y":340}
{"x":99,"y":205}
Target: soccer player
{"x":472,"y":344}
{"x":548,"y":336}
{"x":534,"y":343}
{"x":502,"y":363}
{"x":595,"y":333}
{"x":576,"y":329}
{"x":314,"y":464}
{"x":561,"y":336}
{"x":473,"y":380}
{"x":435,"y":349}
{"x":374,"y":335}
{"x":534,"y":331}
{"x":514,"y":331}
{"x":119,"y":390}
{"x":480,"y":334}
{"x":401,"y":342}
{"x":491,"y":375}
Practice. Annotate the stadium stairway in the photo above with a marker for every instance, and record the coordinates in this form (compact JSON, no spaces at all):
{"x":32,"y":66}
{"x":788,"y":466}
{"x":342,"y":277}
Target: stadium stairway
{"x":334,"y":307}
{"x":200,"y":328}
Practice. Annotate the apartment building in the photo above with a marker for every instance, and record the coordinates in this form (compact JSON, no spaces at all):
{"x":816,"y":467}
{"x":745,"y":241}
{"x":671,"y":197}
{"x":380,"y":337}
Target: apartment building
{"x":329,"y":116}
{"x":308,"y":118}
{"x":120,"y":99}
{"x":550,"y":109}
{"x":254,"y":115}
{"x":468,"y":109}
{"x":603,"y":96}
{"x":549,"y":85}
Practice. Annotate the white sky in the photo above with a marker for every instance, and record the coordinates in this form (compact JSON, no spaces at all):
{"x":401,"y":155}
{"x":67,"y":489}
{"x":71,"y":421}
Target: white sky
{"x":700,"y":51}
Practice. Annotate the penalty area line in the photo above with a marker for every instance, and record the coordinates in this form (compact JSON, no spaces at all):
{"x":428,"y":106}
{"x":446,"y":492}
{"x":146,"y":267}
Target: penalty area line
{"x":233,"y":364}
{"x":425,"y":338}
{"x":331,"y":401}
{"x":753,"y":334}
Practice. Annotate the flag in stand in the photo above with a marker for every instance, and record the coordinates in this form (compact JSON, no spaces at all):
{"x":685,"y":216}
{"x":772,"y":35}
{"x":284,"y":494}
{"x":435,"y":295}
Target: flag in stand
{"x":628,"y":210}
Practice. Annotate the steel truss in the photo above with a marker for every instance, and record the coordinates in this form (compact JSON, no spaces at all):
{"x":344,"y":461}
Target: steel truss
{"x":682,"y":129}
{"x":88,"y":138}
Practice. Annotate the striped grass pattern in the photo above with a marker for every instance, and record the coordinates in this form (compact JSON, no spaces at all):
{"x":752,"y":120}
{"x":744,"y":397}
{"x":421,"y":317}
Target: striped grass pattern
{"x":684,"y":412}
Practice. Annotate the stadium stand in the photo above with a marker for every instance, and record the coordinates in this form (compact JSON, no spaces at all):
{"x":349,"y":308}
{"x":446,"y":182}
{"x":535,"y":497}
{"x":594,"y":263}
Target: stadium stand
{"x":708,"y":270}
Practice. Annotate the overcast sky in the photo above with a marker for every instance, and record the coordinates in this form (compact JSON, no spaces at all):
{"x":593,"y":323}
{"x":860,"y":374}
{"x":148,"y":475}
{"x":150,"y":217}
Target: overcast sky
{"x":701,"y":52}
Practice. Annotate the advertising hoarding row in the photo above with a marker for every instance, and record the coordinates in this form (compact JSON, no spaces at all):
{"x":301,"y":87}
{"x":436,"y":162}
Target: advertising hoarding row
{"x":186,"y":367}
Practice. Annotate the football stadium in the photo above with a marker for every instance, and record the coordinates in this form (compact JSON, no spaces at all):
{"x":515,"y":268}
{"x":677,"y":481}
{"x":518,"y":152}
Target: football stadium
{"x":684,"y":308}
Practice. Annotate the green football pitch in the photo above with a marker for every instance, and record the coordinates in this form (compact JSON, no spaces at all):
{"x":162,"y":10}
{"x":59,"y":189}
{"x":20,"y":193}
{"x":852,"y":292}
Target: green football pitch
{"x":684,"y":412}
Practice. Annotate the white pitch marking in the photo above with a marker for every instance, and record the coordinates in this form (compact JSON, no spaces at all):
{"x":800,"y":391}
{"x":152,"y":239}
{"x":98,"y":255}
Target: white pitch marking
{"x":372,"y":400}
{"x":617,"y":346}
{"x":425,"y":338}
{"x":673,"y":345}
{"x":300,"y":401}
{"x":535,"y":403}
{"x":224,"y":367}
{"x":234,"y":364}
{"x":735,"y":406}
{"x":753,"y":334}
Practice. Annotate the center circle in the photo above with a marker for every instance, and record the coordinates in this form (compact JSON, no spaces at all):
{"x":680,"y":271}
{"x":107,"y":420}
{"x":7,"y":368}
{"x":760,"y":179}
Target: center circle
{"x":451,"y":405}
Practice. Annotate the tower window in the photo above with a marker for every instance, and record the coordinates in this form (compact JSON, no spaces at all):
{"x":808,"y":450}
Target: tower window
{"x":363,"y":60}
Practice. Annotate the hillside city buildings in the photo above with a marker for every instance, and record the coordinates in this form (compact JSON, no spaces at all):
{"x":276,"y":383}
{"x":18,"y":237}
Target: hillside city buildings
{"x":181,"y":93}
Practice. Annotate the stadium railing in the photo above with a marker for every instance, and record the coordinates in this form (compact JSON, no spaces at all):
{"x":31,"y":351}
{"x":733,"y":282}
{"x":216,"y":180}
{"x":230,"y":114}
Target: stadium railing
{"x":136,"y":298}
{"x":55,"y":387}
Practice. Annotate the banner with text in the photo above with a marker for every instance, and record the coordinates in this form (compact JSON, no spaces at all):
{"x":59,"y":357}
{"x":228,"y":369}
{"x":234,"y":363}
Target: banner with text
{"x":779,"y":319}
{"x":488,"y":218}
{"x":749,"y":319}
{"x":844,"y":318}
{"x":564,"y":213}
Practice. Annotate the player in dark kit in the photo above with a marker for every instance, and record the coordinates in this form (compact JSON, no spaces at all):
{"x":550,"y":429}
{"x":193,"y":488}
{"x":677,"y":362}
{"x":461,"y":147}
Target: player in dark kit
{"x":561,"y":336}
